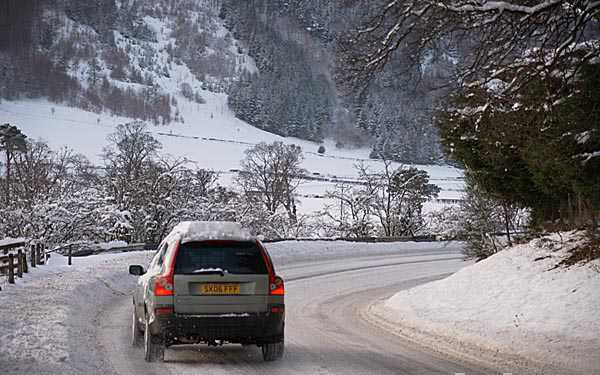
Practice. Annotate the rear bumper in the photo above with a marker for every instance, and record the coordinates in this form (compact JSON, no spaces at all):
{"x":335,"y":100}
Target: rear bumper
{"x":249,"y":328}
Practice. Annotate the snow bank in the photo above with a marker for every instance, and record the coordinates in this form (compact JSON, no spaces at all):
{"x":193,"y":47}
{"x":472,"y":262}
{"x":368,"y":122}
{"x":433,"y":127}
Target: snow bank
{"x":12,"y":241}
{"x":111,"y":244}
{"x":49,"y":314}
{"x":515,"y":303}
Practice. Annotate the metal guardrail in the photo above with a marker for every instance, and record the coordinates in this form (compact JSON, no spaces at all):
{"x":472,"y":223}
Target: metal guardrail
{"x":19,"y":256}
{"x":361,"y":239}
{"x":85,"y":249}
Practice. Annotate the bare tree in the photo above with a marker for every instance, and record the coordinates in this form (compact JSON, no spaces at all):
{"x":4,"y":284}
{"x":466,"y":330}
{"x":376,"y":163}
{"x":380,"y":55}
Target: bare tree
{"x":397,"y":197}
{"x":176,"y":193}
{"x":131,"y":169}
{"x":482,"y":221}
{"x":272,"y":173}
{"x":513,"y":40}
{"x":131,"y":151}
{"x":350,"y":215}
{"x":41,"y":172}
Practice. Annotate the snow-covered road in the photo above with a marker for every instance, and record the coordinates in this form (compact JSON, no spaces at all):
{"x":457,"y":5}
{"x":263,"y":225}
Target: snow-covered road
{"x":325,"y":333}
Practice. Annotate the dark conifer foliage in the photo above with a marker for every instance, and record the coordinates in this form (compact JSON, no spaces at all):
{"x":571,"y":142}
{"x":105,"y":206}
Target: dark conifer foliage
{"x":46,"y":46}
{"x":36,"y":54}
{"x":295,"y":46}
{"x":292,"y":95}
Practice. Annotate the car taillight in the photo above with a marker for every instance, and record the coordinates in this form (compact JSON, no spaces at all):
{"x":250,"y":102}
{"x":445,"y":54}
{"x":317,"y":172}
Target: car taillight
{"x":164,"y":285}
{"x":277,"y":287}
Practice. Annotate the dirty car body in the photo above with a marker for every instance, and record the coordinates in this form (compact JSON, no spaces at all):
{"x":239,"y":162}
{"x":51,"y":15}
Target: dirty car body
{"x":212,"y":283}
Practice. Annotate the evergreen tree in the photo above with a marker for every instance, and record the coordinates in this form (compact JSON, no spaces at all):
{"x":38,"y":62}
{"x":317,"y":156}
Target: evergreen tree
{"x":12,"y":140}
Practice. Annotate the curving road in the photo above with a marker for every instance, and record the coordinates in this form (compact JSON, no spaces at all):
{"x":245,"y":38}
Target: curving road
{"x":324,"y":334}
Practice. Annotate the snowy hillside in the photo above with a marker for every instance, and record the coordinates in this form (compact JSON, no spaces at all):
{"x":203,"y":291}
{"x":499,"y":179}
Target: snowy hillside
{"x":212,"y":137}
{"x":169,"y":65}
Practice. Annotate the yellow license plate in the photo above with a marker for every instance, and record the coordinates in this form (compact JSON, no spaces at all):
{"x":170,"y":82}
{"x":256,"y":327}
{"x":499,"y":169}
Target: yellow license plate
{"x":220,"y":289}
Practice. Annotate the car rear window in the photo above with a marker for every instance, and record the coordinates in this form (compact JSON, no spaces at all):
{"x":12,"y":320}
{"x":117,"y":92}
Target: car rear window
{"x":232,"y":257}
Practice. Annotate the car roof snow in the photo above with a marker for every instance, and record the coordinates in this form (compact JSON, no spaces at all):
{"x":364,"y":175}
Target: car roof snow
{"x":193,"y":231}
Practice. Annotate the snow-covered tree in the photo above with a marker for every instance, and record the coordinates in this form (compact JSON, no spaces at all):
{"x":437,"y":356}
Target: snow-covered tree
{"x":12,"y":141}
{"x":522,"y":112}
{"x":513,"y":39}
{"x":351,"y":213}
{"x":397,"y":197}
{"x":271,"y":174}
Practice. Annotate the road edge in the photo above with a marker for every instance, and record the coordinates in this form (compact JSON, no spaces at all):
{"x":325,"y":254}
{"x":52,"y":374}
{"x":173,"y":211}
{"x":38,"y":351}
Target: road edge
{"x":455,"y":349}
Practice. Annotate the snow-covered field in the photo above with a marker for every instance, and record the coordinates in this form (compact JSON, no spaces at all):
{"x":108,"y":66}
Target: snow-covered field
{"x":211,"y":138}
{"x":515,"y":304}
{"x":51,"y":314}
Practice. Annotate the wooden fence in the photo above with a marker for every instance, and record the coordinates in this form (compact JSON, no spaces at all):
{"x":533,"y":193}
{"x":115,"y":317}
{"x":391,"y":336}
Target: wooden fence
{"x":17,"y":257}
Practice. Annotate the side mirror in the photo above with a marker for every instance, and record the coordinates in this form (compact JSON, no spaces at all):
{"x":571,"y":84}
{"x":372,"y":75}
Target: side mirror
{"x":136,"y":270}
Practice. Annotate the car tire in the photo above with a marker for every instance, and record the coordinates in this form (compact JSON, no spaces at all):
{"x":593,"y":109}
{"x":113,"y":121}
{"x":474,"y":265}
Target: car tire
{"x":137,"y":335}
{"x":272,"y":352}
{"x":154,"y":350}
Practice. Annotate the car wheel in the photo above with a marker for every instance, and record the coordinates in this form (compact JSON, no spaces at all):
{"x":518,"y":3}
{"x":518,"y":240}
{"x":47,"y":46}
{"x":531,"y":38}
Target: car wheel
{"x":137,"y":335}
{"x":272,"y":352}
{"x":154,"y":350}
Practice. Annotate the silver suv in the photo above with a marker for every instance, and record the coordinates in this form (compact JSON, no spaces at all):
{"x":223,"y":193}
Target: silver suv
{"x":209,"y":282}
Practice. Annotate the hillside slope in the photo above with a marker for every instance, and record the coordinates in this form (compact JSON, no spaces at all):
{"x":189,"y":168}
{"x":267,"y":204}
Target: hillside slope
{"x":136,"y":59}
{"x":168,"y":62}
{"x":300,"y":90}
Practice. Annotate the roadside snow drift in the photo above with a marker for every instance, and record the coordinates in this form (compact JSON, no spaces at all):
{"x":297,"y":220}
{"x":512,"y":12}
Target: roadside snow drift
{"x":517,"y":303}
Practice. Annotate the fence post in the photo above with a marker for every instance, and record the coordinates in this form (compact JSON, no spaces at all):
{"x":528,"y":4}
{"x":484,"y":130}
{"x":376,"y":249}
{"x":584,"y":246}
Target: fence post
{"x":33,"y":253}
{"x":11,"y":269}
{"x":20,"y":263}
{"x":24,"y":261}
{"x":38,"y":257}
{"x":70,"y":254}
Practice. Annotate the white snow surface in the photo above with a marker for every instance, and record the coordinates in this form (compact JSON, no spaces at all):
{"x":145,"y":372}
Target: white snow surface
{"x":209,"y":270}
{"x":10,"y":241}
{"x":38,"y":308}
{"x":50,"y":315}
{"x":190,"y":231}
{"x":211,"y":138}
{"x":111,"y":244}
{"x":515,"y":303}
